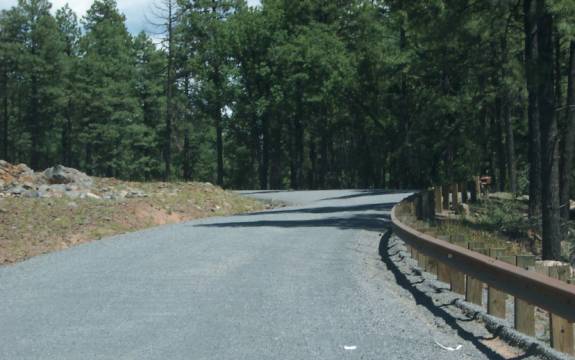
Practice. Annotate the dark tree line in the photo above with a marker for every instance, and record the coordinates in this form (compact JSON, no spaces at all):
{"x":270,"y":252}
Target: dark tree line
{"x":300,"y":94}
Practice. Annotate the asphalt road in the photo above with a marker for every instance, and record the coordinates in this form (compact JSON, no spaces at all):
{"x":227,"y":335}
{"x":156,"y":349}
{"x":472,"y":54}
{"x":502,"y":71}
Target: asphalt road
{"x":302,"y":282}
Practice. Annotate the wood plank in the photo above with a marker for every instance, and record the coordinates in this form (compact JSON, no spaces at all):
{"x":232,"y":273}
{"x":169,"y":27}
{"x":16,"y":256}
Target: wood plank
{"x":464,"y":193}
{"x":457,"y":281}
{"x":561,"y":329}
{"x":438,"y":200}
{"x":443,"y":272}
{"x":524,"y":318}
{"x":445,"y":199}
{"x":431,"y":265}
{"x":454,"y":197}
{"x":474,"y":287}
{"x":496,"y":299}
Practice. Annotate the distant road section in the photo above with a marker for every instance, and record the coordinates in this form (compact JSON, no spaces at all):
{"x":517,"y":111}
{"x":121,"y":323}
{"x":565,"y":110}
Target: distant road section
{"x":300,"y":282}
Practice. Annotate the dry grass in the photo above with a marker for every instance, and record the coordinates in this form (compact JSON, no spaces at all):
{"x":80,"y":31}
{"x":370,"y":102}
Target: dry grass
{"x":30,"y":227}
{"x":471,"y":232}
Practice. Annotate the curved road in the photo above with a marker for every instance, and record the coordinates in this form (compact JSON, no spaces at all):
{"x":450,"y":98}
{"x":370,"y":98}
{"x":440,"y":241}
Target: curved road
{"x":303,"y":282}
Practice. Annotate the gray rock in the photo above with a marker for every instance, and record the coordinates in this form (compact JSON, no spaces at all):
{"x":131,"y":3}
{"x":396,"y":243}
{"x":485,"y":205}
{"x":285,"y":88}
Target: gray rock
{"x":28,"y":185}
{"x":62,"y":175}
{"x":58,"y":188}
{"x":92,"y":196}
{"x":135,"y":193}
{"x":75,"y":194}
{"x":16,"y":190}
{"x":24,"y":170}
{"x":32,"y":194}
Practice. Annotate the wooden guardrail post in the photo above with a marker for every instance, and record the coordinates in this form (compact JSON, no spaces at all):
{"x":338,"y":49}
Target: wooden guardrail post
{"x":475,"y":189}
{"x":443,"y":270}
{"x":561,"y":329}
{"x":474,"y":287}
{"x":438,"y":199}
{"x":445,"y":192}
{"x":421,"y":260}
{"x":418,"y":207}
{"x":496,"y":299}
{"x":429,"y":204}
{"x":464,"y":194}
{"x":524,"y":315}
{"x":431,"y":265}
{"x":457,"y":279}
{"x":454,"y":196}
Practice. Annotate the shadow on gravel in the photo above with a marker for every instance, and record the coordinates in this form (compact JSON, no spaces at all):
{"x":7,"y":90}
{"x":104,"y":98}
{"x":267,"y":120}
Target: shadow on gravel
{"x":376,"y":222}
{"x":329,"y":209}
{"x":361,"y":193}
{"x":437,"y":310}
{"x":257,"y":192}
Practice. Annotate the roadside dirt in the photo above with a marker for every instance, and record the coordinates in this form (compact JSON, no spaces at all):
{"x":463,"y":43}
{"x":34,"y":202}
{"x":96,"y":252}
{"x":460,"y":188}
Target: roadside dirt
{"x":34,"y":226}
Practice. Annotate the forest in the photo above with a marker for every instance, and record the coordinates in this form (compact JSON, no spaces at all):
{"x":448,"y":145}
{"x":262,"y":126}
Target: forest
{"x":300,"y":94}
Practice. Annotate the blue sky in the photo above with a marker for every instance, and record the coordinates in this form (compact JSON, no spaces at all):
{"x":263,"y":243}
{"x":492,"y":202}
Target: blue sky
{"x":135,"y":10}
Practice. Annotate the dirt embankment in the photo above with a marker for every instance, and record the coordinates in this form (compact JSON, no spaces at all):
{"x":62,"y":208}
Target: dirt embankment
{"x":61,"y":207}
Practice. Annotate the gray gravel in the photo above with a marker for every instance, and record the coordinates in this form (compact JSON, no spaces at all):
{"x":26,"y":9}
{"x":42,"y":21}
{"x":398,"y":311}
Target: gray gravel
{"x":302,"y":282}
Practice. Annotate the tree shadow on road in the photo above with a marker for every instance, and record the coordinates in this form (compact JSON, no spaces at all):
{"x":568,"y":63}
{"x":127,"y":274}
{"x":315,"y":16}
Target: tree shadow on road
{"x":329,"y":209}
{"x":370,"y":192}
{"x":374,"y":222}
{"x":378,"y":221}
{"x":423,"y":299}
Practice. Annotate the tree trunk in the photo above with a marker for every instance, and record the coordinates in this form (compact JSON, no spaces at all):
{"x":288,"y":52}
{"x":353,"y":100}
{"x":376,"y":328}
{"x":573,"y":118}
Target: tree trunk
{"x":67,"y":136}
{"x":510,"y":146}
{"x":312,"y":182}
{"x":187,"y":165}
{"x":89,"y":166}
{"x":5,"y":120}
{"x":300,"y":150}
{"x":549,"y":135}
{"x":265,"y":155}
{"x":297,"y":145}
{"x":535,"y":186}
{"x":219,"y":147}
{"x":499,"y":136}
{"x":558,"y":85}
{"x":323,"y":164}
{"x":569,"y":140}
{"x":169,"y":94}
{"x":293,"y":154}
{"x":275,"y":177}
{"x":34,"y":126}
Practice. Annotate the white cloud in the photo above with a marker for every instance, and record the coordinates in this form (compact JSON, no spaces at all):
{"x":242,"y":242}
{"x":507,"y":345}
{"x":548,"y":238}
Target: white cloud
{"x":135,"y":10}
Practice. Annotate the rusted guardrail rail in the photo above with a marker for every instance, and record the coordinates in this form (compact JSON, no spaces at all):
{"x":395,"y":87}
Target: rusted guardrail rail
{"x":467,"y":270}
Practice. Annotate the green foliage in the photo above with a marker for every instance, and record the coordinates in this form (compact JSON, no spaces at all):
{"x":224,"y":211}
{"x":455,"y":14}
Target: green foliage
{"x":504,"y":216}
{"x":302,"y":94}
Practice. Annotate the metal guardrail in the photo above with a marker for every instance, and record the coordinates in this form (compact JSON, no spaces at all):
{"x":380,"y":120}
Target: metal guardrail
{"x":550,"y":294}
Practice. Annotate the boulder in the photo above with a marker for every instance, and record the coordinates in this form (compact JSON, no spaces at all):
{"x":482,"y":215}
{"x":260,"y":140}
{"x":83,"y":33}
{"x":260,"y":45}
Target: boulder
{"x":63,"y":175}
{"x":16,"y":190}
{"x":135,"y":193}
{"x":92,"y":196}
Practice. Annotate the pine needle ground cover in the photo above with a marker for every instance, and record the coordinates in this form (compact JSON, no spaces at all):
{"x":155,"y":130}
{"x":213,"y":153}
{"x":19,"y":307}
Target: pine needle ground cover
{"x":34,"y":226}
